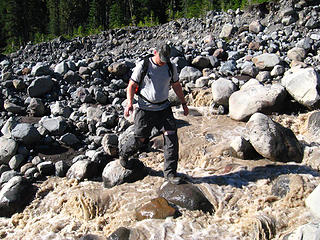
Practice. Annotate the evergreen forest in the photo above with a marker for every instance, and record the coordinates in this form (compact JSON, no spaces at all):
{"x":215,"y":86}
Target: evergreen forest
{"x":22,"y":21}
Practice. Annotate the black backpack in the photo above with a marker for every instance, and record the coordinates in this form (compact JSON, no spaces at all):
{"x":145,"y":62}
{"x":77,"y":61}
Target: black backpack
{"x":145,"y":67}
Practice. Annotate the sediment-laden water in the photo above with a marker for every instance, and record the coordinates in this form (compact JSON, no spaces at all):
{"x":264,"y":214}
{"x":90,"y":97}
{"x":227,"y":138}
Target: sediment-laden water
{"x":239,"y":190}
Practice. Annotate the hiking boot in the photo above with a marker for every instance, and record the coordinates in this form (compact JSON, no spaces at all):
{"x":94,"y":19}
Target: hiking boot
{"x":174,"y":179}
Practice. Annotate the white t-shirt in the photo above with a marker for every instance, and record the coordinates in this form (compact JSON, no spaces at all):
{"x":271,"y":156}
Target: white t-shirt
{"x":155,"y":86}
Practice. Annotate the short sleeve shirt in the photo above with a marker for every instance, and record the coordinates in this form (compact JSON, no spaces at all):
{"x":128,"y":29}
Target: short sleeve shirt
{"x":155,"y":86}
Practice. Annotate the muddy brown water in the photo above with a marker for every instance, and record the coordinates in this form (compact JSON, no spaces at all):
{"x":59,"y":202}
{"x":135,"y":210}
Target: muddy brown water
{"x":240,"y":191}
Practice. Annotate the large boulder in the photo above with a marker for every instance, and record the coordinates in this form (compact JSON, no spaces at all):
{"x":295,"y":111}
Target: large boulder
{"x":114,"y":174}
{"x":15,"y":195}
{"x":266,"y":61}
{"x":272,"y":140}
{"x":256,"y":98}
{"x":187,"y":196}
{"x":222,"y":90}
{"x":40,"y":86}
{"x":303,"y":85}
{"x":55,"y":125}
{"x":312,"y":202}
{"x":8,"y":149}
{"x":26,"y":133}
{"x":82,"y":169}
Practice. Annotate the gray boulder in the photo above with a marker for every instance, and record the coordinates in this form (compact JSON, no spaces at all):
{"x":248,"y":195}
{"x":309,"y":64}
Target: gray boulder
{"x":114,"y":174}
{"x":15,"y":195}
{"x":41,"y":69}
{"x":309,"y":231}
{"x":272,"y":140}
{"x":40,"y":86}
{"x":82,"y":169}
{"x":26,"y":133}
{"x":69,"y":139}
{"x":186,"y":195}
{"x":303,"y":85}
{"x":221,"y":91}
{"x":36,"y":107}
{"x":266,"y":61}
{"x":55,"y":125}
{"x":8,"y":149}
{"x":189,"y":74}
{"x":312,"y":202}
{"x":110,"y":144}
{"x":256,"y":98}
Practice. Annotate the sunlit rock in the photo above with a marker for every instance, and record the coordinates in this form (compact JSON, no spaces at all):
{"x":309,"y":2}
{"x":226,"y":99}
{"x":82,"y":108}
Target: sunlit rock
{"x":15,"y":195}
{"x":272,"y":140}
{"x":114,"y":174}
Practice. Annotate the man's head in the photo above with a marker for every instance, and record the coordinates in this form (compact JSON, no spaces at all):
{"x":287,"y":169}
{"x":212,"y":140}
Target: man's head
{"x":164,"y":51}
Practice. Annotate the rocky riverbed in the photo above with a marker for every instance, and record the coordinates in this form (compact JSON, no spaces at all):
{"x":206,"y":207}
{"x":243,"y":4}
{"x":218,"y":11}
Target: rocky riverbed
{"x":249,"y":149}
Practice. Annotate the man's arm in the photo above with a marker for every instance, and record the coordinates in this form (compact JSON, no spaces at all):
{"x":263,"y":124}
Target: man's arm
{"x":178,"y":90}
{"x":130,"y":94}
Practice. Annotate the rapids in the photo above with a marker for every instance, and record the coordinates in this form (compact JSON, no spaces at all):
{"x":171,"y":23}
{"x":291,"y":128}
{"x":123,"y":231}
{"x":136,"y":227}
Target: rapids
{"x":239,"y":190}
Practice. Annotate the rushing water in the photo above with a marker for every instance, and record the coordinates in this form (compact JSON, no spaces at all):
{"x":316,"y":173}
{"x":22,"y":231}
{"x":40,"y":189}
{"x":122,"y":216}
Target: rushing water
{"x":239,"y":190}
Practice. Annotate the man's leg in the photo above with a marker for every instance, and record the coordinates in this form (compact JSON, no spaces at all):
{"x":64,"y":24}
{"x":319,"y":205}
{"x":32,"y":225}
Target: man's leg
{"x":135,"y":141}
{"x":171,"y":153}
{"x":128,"y":149}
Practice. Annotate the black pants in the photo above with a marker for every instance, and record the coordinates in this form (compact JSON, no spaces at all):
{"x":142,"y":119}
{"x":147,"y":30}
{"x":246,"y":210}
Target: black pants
{"x":163,"y":121}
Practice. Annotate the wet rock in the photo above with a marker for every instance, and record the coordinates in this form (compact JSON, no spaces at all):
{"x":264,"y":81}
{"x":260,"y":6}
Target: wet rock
{"x":26,"y":133}
{"x":121,"y":233}
{"x":157,"y":208}
{"x":186,"y":195}
{"x":312,"y":202}
{"x":222,"y":90}
{"x":281,"y":186}
{"x":15,"y":195}
{"x":256,"y":98}
{"x":114,"y":174}
{"x":302,"y":85}
{"x":272,"y":140}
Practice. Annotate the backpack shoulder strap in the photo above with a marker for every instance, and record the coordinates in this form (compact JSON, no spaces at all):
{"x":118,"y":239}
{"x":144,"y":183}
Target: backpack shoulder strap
{"x":145,"y":66}
{"x":170,"y":69}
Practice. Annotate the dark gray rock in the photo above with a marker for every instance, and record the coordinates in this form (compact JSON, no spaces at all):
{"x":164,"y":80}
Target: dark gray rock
{"x":187,"y":196}
{"x":15,"y":195}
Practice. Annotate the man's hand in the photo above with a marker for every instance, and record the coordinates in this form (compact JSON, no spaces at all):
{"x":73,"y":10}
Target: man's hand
{"x":128,"y":109}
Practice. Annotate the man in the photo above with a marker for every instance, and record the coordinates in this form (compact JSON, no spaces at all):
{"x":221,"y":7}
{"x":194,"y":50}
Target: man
{"x":154,"y":108}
